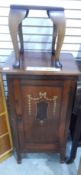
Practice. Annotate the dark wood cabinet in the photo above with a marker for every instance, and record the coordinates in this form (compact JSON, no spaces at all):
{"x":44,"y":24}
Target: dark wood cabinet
{"x":41,"y":105}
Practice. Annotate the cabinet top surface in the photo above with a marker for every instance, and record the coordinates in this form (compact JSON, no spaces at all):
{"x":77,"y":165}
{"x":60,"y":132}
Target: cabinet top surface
{"x":35,"y":7}
{"x":35,"y":3}
{"x":37,"y":63}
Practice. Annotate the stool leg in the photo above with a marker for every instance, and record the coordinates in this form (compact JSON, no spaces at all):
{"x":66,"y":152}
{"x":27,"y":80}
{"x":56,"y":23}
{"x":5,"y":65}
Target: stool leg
{"x":15,"y":19}
{"x":58,"y":19}
{"x":54,"y":39}
{"x":21,"y":38}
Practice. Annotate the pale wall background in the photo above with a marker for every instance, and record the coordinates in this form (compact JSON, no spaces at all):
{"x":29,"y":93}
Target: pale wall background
{"x":37,"y":28}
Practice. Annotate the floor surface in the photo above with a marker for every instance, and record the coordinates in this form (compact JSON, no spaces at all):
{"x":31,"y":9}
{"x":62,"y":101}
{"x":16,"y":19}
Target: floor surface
{"x":39,"y":164}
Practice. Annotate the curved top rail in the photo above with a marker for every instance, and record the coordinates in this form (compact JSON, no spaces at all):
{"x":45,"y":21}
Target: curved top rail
{"x":34,"y":7}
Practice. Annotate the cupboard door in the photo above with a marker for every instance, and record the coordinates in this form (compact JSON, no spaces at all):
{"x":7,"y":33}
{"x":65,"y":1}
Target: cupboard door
{"x":41,"y":103}
{"x":42,"y":110}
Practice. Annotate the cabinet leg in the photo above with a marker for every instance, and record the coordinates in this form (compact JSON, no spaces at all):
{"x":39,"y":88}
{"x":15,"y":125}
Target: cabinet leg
{"x":62,"y":155}
{"x":69,"y":160}
{"x":19,"y":159}
{"x":76,"y":138}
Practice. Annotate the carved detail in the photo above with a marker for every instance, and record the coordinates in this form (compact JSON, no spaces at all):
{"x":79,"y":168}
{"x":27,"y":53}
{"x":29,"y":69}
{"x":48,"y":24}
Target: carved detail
{"x":42,"y":96}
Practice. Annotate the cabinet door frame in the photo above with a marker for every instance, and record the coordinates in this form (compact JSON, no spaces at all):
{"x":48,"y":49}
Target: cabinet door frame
{"x":67,"y":102}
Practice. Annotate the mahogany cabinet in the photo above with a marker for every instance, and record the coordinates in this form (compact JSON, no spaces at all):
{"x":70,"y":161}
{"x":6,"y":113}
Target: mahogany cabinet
{"x":41,"y":103}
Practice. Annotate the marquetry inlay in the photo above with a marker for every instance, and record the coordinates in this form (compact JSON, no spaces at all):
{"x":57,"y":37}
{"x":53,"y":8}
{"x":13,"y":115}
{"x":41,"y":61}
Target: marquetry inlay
{"x":42,"y":96}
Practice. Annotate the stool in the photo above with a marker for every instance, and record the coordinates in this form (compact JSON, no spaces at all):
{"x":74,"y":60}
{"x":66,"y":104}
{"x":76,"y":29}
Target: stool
{"x":16,"y":16}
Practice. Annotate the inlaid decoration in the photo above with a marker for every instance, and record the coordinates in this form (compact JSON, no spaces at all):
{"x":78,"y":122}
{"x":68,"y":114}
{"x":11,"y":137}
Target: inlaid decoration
{"x":44,"y":100}
{"x":42,"y":111}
